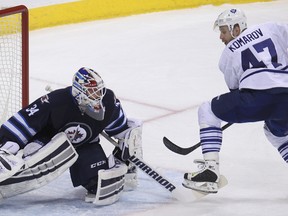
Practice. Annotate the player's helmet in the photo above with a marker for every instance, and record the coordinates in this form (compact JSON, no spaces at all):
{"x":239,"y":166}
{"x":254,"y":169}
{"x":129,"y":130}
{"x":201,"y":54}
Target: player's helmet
{"x":88,"y":89}
{"x":230,"y":18}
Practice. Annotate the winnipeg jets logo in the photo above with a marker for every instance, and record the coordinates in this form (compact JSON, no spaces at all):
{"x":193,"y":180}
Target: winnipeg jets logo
{"x":76,"y":134}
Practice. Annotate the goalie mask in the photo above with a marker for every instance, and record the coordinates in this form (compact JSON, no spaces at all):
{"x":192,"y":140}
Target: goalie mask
{"x":230,"y":18}
{"x":88,"y":89}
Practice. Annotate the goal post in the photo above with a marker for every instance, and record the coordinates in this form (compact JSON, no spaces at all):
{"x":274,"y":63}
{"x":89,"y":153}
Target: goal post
{"x":14,"y":60}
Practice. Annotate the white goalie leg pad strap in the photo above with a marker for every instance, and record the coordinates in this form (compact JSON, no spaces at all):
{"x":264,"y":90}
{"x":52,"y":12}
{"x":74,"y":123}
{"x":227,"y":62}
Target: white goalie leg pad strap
{"x":10,"y":163}
{"x":42,"y":167}
{"x":110,"y":184}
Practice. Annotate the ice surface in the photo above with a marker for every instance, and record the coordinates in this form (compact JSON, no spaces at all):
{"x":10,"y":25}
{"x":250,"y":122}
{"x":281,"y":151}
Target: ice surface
{"x":161,"y":66}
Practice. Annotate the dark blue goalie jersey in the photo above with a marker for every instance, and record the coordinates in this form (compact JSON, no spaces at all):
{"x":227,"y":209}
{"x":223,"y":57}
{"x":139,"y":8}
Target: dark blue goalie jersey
{"x":58,"y":111}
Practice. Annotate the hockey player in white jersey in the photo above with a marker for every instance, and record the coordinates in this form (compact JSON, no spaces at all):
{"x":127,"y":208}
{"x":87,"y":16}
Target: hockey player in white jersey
{"x":255,"y":67}
{"x":61,"y":130}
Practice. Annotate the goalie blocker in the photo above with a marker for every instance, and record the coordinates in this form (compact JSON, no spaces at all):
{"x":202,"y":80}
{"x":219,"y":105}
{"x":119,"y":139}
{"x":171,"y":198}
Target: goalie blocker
{"x":41,"y":167}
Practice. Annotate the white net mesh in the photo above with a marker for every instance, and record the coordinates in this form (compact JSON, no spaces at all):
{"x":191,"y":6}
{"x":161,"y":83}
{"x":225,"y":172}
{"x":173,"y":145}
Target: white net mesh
{"x":10,"y":65}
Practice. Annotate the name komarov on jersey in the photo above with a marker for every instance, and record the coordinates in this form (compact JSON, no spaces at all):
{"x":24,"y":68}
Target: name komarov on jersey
{"x":245,"y":39}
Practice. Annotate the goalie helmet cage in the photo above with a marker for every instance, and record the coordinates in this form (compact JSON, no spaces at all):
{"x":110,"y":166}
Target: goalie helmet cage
{"x":14,"y":60}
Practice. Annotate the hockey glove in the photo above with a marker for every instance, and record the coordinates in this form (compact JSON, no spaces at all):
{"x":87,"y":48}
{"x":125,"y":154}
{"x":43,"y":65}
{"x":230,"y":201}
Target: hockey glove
{"x":130,"y":142}
{"x":10,"y":161}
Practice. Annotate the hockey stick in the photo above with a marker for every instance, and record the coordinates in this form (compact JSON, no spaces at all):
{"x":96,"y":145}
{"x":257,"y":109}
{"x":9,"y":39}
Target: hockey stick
{"x":184,"y":151}
{"x":152,"y":173}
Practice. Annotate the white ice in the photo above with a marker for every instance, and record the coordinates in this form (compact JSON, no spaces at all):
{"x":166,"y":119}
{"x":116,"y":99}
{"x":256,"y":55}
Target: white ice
{"x":162,"y":66}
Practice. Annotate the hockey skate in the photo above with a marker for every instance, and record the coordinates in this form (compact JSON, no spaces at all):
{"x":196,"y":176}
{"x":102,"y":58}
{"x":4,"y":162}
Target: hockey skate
{"x":206,"y":179}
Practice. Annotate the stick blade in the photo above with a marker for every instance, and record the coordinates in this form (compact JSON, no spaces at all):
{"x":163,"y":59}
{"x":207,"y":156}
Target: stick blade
{"x":175,"y":148}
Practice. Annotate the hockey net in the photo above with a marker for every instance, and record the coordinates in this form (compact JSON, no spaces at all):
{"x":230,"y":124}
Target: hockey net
{"x":14,"y":58}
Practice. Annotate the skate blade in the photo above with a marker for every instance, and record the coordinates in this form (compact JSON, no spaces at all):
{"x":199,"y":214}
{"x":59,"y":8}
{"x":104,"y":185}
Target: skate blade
{"x":203,"y":187}
{"x":222,"y":183}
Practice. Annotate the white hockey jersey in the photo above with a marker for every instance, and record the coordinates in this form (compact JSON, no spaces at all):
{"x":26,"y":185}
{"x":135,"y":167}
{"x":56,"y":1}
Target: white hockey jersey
{"x":257,"y":58}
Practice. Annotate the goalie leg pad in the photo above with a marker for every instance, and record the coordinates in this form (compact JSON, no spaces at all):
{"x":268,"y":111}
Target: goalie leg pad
{"x":42,"y":167}
{"x":110,"y":185}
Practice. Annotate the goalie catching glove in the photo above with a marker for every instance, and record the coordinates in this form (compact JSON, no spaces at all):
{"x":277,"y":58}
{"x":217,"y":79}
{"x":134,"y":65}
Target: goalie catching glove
{"x":38,"y":166}
{"x":10,"y":160}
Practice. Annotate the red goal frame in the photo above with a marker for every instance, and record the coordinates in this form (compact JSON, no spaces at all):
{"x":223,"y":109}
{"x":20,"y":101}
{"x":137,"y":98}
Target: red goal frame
{"x":25,"y":47}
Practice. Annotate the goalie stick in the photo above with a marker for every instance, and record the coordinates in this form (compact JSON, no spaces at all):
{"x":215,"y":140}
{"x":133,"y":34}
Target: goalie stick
{"x":179,"y":193}
{"x":184,"y":151}
{"x":150,"y":171}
